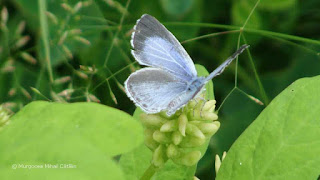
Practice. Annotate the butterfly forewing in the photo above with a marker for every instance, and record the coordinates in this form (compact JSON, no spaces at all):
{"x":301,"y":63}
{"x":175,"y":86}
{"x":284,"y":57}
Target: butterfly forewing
{"x":226,"y":63}
{"x":153,"y":45}
{"x":152,"y":89}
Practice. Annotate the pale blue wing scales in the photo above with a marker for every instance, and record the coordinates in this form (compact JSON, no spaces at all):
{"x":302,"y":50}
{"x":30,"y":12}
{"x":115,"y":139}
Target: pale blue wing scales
{"x":153,"y":45}
{"x":181,"y":100}
{"x":152,"y":89}
{"x":157,"y":54}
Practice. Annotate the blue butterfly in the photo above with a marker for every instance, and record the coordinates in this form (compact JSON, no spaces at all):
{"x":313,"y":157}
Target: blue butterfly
{"x":171,"y":80}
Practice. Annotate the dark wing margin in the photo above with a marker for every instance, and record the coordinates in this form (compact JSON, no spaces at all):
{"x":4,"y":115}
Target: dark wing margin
{"x":153,"y":45}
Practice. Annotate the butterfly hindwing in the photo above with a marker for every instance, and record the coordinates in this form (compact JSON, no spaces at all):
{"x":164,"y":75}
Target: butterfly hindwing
{"x":152,"y":89}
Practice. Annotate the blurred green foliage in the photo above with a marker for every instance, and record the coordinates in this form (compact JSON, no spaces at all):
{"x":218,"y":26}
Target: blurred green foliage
{"x":90,"y":52}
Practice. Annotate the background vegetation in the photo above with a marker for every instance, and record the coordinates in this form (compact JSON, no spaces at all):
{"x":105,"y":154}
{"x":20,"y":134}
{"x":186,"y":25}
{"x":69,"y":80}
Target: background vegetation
{"x":73,"y":51}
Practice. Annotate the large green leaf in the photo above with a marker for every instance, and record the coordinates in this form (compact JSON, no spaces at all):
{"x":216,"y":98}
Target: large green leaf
{"x":136,"y":162}
{"x":283,"y":142}
{"x":83,"y":134}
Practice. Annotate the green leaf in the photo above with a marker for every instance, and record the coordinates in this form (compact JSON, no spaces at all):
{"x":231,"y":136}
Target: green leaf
{"x":283,"y":142}
{"x":136,"y":162}
{"x":172,"y":171}
{"x":84,"y":161}
{"x":82,"y":134}
{"x":209,"y":86}
{"x":234,"y":118}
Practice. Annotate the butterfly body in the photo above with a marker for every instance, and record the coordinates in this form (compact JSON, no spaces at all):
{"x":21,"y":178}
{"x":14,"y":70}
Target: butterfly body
{"x":170,"y":81}
{"x":196,"y":83}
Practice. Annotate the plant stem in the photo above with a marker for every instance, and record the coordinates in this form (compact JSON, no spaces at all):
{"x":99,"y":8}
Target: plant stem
{"x":149,"y":172}
{"x":44,"y":36}
{"x":218,"y":26}
{"x":210,"y":35}
{"x":249,"y":30}
{"x":116,"y":34}
{"x":261,"y":88}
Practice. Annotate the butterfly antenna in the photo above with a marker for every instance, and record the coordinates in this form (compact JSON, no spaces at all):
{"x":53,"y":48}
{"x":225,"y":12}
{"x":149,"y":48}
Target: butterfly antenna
{"x":226,"y":63}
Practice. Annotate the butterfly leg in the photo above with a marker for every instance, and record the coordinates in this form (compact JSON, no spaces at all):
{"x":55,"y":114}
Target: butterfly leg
{"x":194,"y":107}
{"x":183,"y":109}
{"x":204,"y":102}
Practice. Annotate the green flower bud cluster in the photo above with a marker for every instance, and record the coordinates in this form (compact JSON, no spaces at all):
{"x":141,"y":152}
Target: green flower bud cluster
{"x":178,"y":136}
{"x":4,"y":117}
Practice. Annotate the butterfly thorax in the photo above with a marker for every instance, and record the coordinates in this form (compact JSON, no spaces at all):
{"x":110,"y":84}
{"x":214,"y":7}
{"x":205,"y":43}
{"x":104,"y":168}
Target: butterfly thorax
{"x":196,"y":85}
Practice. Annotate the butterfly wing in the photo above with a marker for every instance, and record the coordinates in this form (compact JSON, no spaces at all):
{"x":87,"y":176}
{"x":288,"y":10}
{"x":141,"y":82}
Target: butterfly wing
{"x":153,"y":45}
{"x":179,"y":102}
{"x":152,"y":89}
{"x":226,"y":63}
{"x":184,"y":97}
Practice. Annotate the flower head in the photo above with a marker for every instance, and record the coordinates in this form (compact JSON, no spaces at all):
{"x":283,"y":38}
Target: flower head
{"x":178,"y":136}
